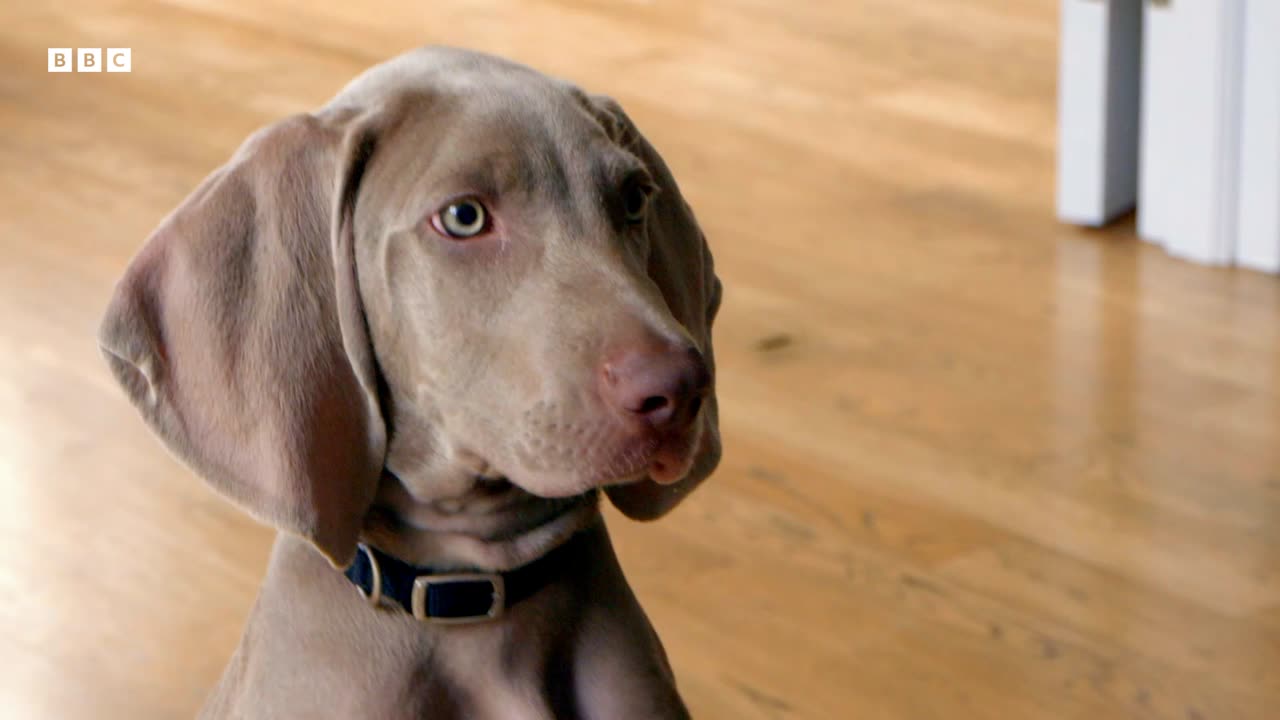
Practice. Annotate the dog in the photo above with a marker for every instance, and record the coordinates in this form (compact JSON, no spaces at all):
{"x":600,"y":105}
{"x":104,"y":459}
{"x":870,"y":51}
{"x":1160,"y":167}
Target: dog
{"x":418,"y":331}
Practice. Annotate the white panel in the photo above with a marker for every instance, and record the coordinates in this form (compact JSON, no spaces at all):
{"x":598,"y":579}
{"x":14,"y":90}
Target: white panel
{"x":1098,"y":76}
{"x":1157,"y":147}
{"x":1258,"y":239}
{"x":1203,"y":168}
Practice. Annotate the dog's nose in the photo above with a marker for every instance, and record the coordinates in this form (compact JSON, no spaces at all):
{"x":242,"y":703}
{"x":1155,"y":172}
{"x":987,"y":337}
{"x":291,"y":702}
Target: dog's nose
{"x":664,"y":387}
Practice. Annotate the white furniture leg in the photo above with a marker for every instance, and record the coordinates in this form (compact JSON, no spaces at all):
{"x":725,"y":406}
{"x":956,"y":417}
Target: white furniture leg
{"x":1098,"y":110}
{"x":1258,"y":238}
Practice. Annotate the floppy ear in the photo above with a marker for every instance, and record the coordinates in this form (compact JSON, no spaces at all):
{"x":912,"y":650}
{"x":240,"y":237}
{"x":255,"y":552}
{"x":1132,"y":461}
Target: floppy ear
{"x":680,"y":265}
{"x":237,"y":334}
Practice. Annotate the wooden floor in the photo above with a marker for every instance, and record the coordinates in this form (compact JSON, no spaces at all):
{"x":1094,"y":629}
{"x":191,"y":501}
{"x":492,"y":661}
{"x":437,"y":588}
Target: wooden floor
{"x":978,"y":465}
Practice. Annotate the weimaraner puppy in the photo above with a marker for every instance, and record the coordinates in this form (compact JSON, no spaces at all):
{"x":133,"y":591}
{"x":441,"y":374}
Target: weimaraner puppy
{"x":418,"y":330}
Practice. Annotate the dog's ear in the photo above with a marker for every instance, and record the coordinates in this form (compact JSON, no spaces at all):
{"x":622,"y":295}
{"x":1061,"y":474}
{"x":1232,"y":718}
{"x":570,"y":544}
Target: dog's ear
{"x":680,"y":265}
{"x":238,"y":334}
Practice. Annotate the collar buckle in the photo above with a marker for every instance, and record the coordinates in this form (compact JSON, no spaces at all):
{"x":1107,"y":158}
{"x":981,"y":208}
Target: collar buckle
{"x":431,"y":597}
{"x":374,"y":593}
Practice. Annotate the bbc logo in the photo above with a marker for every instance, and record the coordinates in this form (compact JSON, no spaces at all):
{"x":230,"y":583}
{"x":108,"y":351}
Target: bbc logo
{"x":91,"y":60}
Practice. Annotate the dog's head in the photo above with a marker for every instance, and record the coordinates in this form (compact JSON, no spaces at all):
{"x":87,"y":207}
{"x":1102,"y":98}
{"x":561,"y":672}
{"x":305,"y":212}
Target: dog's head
{"x":457,"y":268}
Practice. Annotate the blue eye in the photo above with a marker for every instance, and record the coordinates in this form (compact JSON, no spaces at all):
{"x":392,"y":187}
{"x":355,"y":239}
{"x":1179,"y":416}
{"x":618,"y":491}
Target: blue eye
{"x":462,"y":219}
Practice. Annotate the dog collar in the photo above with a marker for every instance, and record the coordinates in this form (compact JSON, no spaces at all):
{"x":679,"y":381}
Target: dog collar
{"x":447,"y":598}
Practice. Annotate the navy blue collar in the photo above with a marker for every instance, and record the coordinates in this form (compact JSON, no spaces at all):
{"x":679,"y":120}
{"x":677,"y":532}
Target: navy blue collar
{"x":448,"y":598}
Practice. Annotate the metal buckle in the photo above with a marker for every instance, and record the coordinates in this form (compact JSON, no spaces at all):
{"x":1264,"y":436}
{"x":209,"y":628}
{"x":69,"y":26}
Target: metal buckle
{"x":423,"y":582}
{"x":374,"y":596}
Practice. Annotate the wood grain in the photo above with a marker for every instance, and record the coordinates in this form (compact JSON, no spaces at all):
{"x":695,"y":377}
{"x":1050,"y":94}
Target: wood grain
{"x":978,"y":465}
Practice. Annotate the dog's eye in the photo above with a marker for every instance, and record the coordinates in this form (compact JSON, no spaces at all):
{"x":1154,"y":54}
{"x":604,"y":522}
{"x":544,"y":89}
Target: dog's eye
{"x":635,"y":201}
{"x":462,"y":219}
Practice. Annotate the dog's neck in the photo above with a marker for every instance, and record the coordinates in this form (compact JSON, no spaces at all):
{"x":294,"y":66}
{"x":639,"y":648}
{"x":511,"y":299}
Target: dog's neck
{"x":490,"y":524}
